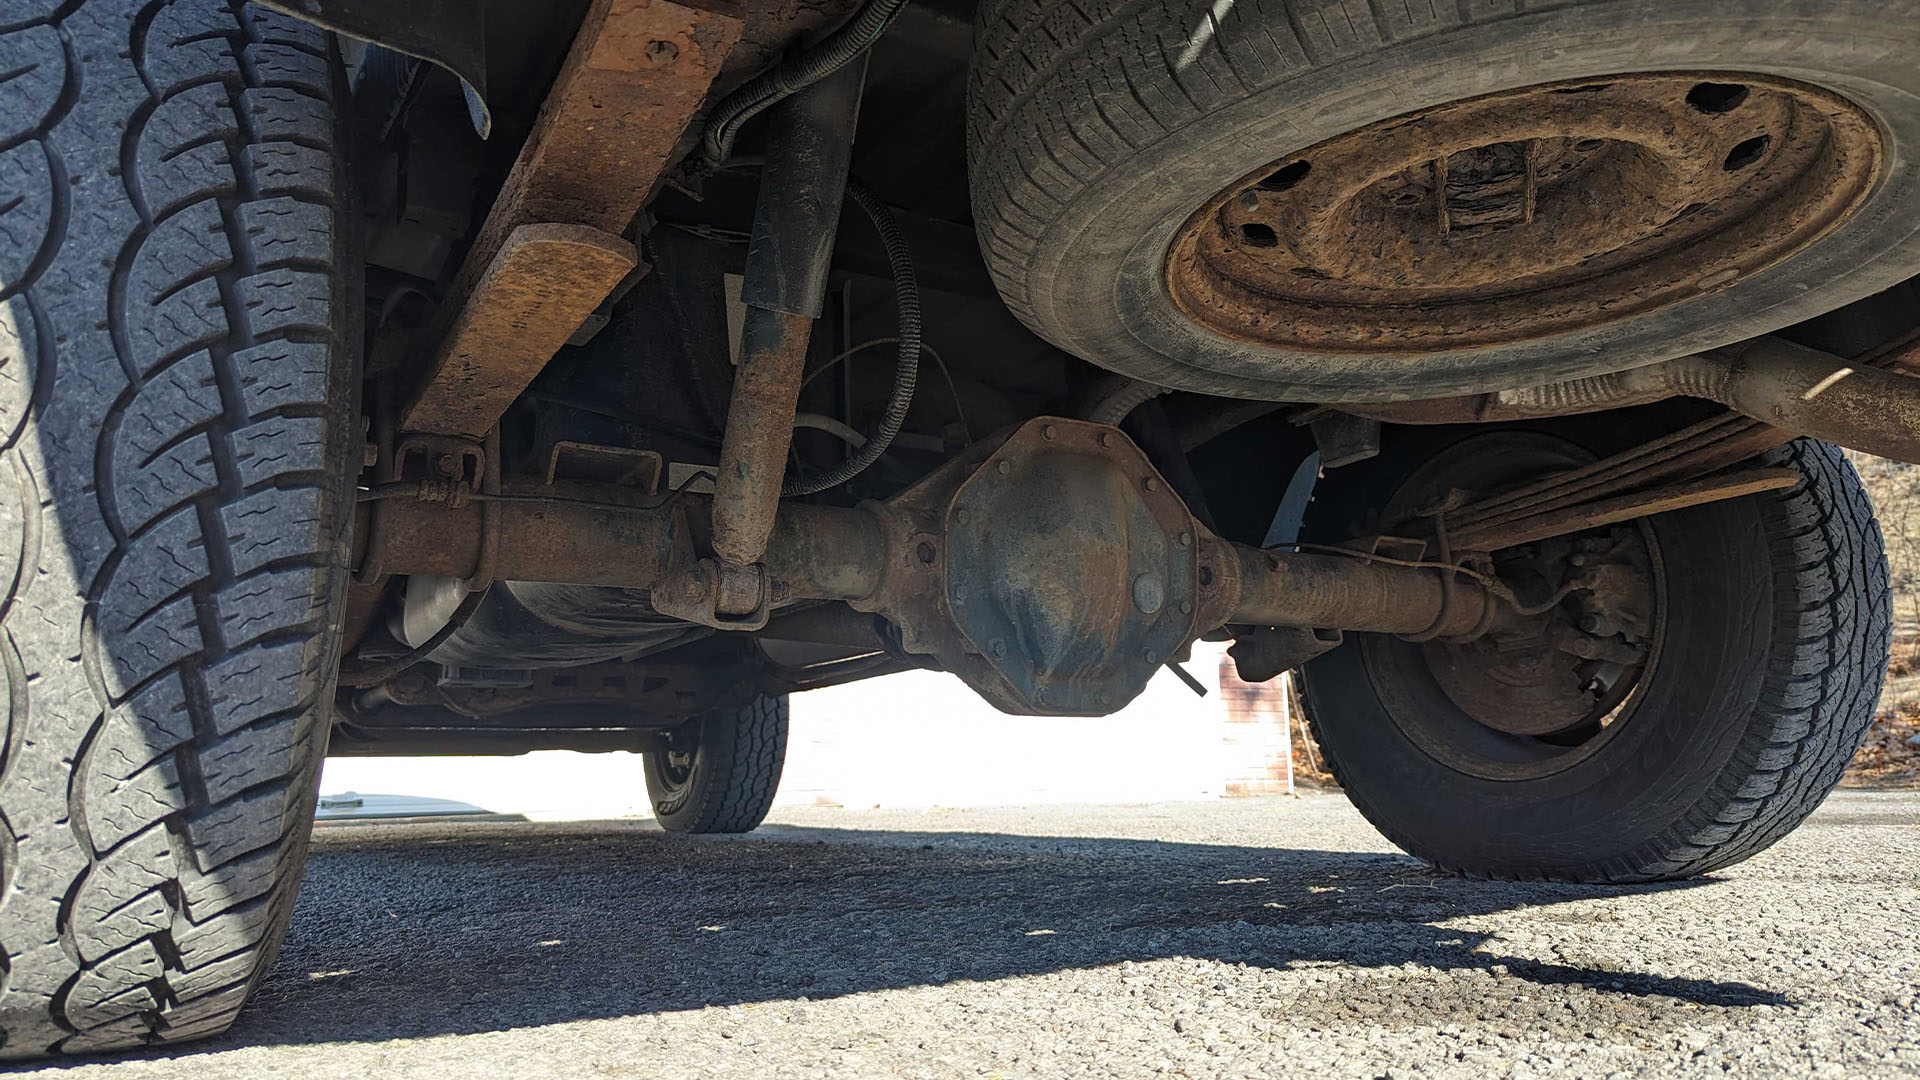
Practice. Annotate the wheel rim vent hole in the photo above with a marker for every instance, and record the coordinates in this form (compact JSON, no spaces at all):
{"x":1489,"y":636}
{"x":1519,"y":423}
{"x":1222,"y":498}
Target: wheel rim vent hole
{"x":1746,"y":153}
{"x":1254,"y":234}
{"x":1284,"y":178}
{"x":1713,"y":97}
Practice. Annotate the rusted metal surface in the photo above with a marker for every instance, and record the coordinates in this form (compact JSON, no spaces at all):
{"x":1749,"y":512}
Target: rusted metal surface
{"x":795,"y":219}
{"x":1562,"y":671}
{"x":1562,"y":522}
{"x":641,"y":470}
{"x":753,"y":454}
{"x":1798,"y":390}
{"x":598,"y":534}
{"x":1070,"y":568}
{"x":1262,"y":653}
{"x":1285,"y":588}
{"x":1053,"y":569}
{"x":1564,"y":664}
{"x":1810,"y":392}
{"x":1517,"y":215}
{"x":651,"y":692}
{"x":543,"y":281}
{"x":569,"y":542}
{"x":1691,"y":452}
{"x":636,"y":74}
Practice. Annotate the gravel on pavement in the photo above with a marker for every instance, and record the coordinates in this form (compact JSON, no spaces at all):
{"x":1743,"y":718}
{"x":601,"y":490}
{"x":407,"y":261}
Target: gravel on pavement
{"x":1244,"y":938}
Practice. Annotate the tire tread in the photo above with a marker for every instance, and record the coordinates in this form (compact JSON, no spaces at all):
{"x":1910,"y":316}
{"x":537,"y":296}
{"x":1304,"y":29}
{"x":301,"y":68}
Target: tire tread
{"x":170,"y":384}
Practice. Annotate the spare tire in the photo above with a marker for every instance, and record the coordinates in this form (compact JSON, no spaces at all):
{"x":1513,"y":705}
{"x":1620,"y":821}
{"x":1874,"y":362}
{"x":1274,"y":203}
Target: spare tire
{"x":1327,"y":200}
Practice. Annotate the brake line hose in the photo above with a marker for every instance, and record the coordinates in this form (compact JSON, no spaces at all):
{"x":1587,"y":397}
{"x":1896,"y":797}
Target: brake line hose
{"x":839,"y":49}
{"x":906,"y":294}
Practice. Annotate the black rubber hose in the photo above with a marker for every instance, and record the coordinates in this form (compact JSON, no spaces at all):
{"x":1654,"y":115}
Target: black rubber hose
{"x":839,"y":49}
{"x":906,"y":298}
{"x":357,"y":675}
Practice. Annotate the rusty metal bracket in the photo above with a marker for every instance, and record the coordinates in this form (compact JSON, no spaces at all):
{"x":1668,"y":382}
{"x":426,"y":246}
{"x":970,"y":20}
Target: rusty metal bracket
{"x":636,"y":74}
{"x":712,"y":592}
{"x":625,"y":466}
{"x":451,"y":470}
{"x":1268,"y":652}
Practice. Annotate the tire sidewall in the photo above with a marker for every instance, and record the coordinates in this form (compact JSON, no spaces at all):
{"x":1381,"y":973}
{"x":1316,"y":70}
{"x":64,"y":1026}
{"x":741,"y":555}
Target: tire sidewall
{"x":1095,"y":285}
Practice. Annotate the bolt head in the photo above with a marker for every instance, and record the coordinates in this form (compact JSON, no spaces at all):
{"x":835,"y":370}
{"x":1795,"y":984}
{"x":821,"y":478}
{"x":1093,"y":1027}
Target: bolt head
{"x":1149,"y":593}
{"x":1185,"y":539}
{"x":1049,"y":433}
{"x":1106,"y":438}
{"x":1186,"y":607}
{"x":1150,"y":483}
{"x":662,"y":53}
{"x":997,"y":648}
{"x":1004,"y":468}
{"x":1151,"y":657}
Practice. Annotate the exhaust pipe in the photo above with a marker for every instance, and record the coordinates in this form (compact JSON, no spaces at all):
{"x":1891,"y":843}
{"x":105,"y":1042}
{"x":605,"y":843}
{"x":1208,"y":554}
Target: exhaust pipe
{"x":1774,"y":381}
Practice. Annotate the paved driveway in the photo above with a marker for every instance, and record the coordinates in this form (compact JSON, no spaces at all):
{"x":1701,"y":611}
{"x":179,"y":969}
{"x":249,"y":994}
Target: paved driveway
{"x":1243,"y":938}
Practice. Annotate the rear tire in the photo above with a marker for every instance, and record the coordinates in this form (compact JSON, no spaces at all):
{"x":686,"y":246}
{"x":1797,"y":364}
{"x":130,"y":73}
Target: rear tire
{"x":1776,"y":632}
{"x":177,"y":405}
{"x":725,"y":780}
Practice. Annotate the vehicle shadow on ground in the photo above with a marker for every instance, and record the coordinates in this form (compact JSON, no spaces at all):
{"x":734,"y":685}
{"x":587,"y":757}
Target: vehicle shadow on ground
{"x":456,"y":929}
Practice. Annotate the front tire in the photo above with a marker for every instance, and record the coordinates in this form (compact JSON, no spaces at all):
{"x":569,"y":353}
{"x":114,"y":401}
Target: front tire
{"x":722,"y":774}
{"x":176,"y":394}
{"x":1776,"y":628}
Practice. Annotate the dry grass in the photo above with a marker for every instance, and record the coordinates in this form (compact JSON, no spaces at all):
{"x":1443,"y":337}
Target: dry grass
{"x":1887,"y":760}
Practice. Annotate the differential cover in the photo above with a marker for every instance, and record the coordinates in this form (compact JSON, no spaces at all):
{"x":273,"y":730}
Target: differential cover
{"x":1070,"y":568}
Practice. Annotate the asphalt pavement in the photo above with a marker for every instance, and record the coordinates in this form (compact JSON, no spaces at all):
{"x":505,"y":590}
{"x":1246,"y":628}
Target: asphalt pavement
{"x":1244,"y":938}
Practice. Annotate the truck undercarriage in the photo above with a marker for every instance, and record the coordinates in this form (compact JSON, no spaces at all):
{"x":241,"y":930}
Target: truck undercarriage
{"x":594,"y":374}
{"x":731,"y":353}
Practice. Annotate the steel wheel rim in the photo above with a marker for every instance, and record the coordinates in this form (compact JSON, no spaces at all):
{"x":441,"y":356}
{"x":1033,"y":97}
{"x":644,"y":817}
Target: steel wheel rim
{"x":1542,"y":211}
